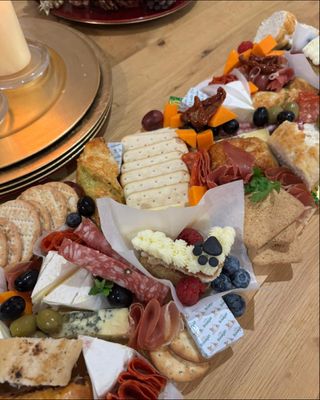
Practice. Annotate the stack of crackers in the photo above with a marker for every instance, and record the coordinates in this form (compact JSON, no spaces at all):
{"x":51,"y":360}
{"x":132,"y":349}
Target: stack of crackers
{"x":181,"y":360}
{"x":270,"y":229}
{"x":39,"y":209}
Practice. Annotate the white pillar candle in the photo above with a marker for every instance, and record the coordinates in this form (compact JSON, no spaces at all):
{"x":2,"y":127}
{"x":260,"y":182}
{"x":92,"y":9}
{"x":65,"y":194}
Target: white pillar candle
{"x":14,"y":51}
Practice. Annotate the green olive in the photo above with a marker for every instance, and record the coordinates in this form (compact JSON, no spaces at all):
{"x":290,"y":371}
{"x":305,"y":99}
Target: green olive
{"x":273,"y":113}
{"x":23,"y":326}
{"x":39,"y":334}
{"x":49,"y":321}
{"x":292,"y":106}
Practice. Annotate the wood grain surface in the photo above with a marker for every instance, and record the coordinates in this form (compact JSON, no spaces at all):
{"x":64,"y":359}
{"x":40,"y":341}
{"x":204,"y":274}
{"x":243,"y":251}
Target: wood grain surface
{"x":278,"y":358}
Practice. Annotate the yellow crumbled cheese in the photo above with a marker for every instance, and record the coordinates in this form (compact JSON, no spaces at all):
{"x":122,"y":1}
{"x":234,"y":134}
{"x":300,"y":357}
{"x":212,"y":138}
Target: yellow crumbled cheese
{"x":178,"y":252}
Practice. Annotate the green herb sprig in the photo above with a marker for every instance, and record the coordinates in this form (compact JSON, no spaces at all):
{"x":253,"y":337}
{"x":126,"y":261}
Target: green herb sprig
{"x":260,"y":186}
{"x":101,"y":287}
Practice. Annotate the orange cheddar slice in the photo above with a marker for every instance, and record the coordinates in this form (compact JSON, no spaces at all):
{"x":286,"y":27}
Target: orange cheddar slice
{"x":170,"y":110}
{"x":189,"y":136}
{"x":175,"y":121}
{"x":246,"y":54}
{"x":221,"y":116}
{"x":205,"y":139}
{"x":253,"y":88}
{"x":276,"y":53}
{"x":263,"y":48}
{"x":232,"y":62}
{"x":195,"y":194}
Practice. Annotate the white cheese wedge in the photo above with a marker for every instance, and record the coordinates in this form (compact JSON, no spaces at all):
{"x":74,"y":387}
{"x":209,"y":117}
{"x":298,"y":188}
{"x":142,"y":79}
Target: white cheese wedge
{"x":74,"y":293}
{"x":311,"y":51}
{"x":4,"y":331}
{"x":55,"y":269}
{"x":262,"y":134}
{"x":105,"y":361}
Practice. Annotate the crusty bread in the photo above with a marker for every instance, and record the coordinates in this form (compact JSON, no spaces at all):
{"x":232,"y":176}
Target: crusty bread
{"x":281,"y":25}
{"x":297,"y":149}
{"x":38,"y":362}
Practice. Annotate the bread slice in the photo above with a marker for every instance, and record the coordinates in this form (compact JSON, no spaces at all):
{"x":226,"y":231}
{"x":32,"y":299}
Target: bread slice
{"x":38,"y":362}
{"x":298,"y":149}
{"x":281,"y":25}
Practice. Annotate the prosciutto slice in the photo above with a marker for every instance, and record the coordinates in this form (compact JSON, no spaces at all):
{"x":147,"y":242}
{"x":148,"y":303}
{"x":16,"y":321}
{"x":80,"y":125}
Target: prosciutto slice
{"x":153,"y":326}
{"x":124,"y":275}
{"x":14,"y":270}
{"x":198,"y":164}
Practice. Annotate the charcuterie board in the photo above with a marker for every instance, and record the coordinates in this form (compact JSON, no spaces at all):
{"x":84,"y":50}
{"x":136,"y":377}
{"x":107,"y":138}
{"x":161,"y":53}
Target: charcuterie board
{"x":153,"y":245}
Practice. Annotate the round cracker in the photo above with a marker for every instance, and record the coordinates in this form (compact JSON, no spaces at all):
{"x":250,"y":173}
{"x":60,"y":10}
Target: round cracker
{"x":26,"y":219}
{"x":3,"y":250}
{"x":51,"y":199}
{"x":184,"y":346}
{"x":14,"y":241}
{"x":67,"y":192}
{"x":43,"y":213}
{"x":175,"y":368}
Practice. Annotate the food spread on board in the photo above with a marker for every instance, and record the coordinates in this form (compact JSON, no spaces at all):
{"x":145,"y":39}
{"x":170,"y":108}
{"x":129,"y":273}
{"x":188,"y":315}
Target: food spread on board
{"x":228,"y":171}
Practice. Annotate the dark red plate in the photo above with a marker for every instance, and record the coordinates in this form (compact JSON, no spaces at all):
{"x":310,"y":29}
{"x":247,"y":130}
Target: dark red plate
{"x":96,"y":15}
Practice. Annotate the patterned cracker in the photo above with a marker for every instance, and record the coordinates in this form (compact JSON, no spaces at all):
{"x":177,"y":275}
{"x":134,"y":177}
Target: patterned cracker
{"x":184,"y":346}
{"x":67,"y":192}
{"x":54,"y":202}
{"x":14,"y":240}
{"x":3,"y":250}
{"x":26,"y":219}
{"x":44,"y":215}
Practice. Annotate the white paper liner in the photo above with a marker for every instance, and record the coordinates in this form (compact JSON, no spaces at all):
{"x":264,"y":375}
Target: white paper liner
{"x":3,"y":281}
{"x":303,"y":34}
{"x":169,"y":392}
{"x":302,"y":68}
{"x":221,"y":206}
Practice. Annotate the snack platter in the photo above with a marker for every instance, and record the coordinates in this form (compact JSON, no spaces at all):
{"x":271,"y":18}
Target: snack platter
{"x":145,"y":258}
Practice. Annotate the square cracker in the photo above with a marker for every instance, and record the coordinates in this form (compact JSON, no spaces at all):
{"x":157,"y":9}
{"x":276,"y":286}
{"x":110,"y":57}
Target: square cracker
{"x":266,"y":219}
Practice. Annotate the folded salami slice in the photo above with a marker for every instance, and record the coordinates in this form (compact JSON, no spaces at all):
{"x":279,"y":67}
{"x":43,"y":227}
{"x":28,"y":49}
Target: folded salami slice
{"x":141,"y":369}
{"x":124,"y":275}
{"x":133,"y":389}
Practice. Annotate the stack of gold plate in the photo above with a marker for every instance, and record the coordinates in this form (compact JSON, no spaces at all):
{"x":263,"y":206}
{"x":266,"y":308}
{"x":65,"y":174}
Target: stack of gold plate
{"x":51,"y":118}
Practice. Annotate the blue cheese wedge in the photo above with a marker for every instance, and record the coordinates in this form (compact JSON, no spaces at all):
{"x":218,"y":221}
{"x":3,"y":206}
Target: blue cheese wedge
{"x":106,"y":324}
{"x":74,"y":293}
{"x":55,"y":269}
{"x":96,"y":352}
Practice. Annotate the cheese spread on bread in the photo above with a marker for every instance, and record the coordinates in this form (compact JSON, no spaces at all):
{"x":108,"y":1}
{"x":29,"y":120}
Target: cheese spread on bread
{"x":178,"y":253}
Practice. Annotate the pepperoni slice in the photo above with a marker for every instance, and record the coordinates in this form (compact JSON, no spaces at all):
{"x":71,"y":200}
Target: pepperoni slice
{"x":54,"y":240}
{"x":308,"y":107}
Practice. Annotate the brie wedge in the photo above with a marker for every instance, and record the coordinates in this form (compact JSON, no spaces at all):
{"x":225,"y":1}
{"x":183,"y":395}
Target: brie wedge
{"x":97,"y":355}
{"x":55,"y":269}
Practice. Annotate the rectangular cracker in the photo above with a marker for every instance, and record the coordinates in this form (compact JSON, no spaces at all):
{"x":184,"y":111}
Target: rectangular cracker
{"x":142,"y":139}
{"x":149,"y":162}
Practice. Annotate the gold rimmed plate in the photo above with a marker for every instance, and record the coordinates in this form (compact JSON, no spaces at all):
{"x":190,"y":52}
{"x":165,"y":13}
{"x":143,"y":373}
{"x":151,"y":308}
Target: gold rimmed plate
{"x":59,"y":154}
{"x":44,"y":110}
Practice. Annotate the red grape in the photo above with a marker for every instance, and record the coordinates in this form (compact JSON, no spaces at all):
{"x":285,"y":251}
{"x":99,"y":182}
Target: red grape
{"x":152,"y":120}
{"x":244,"y":46}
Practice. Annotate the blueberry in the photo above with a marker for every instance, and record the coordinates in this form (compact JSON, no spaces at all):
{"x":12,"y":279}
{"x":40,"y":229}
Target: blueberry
{"x":231,"y":127}
{"x":73,"y":219}
{"x":236,"y":304}
{"x":212,"y":246}
{"x":260,"y":117}
{"x":231,"y":265}
{"x":202,"y":260}
{"x":86,"y":206}
{"x":285,"y":116}
{"x":222,"y":283}
{"x":197,"y":250}
{"x":241,"y":278}
{"x":213,"y":262}
{"x":119,"y":296}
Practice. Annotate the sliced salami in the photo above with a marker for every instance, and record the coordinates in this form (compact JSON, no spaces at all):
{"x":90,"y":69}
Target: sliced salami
{"x":124,"y":275}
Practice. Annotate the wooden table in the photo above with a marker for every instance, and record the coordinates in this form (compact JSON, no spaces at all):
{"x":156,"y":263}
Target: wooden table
{"x":279,"y":356}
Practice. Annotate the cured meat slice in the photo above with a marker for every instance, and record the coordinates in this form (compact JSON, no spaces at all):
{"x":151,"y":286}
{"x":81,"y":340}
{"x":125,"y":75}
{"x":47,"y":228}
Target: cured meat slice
{"x":124,"y":275}
{"x":54,"y":240}
{"x":13,"y":271}
{"x":198,"y":164}
{"x":133,"y":389}
{"x":144,"y":371}
{"x":240,"y":159}
{"x":153,"y":326}
{"x":308,"y":107}
{"x":279,"y":79}
{"x":301,"y":192}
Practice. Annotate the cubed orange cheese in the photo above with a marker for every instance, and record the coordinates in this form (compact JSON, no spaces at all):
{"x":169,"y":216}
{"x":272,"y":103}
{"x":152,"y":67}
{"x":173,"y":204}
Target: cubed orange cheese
{"x":246,"y":54}
{"x":276,"y":53}
{"x":221,"y":116}
{"x":175,"y":121}
{"x":264,"y":46}
{"x":195,"y":194}
{"x":253,"y":88}
{"x":189,"y":136}
{"x":205,"y":140}
{"x":232,"y":62}
{"x":170,"y":110}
